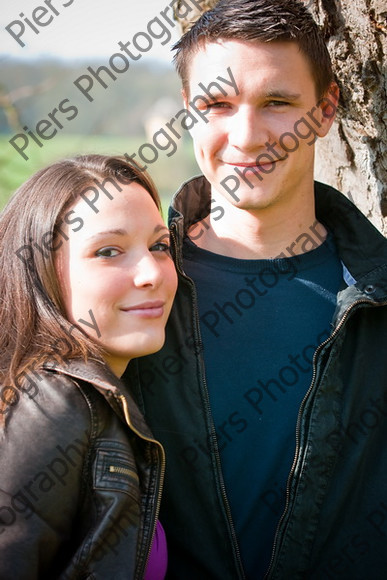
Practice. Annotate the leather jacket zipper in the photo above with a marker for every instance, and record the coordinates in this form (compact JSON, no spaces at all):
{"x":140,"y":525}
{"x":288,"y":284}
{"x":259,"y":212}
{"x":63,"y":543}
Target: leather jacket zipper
{"x":123,"y":471}
{"x":162,"y":474}
{"x":303,"y":403}
{"x":209,"y":414}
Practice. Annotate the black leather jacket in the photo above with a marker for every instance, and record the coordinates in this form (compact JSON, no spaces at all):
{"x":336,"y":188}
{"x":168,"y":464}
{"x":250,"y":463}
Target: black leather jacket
{"x":335,"y":521}
{"x":80,"y":478}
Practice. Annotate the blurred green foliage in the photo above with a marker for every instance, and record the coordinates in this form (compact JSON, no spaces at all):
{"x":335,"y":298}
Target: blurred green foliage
{"x":167,"y":172}
{"x":114,"y":123}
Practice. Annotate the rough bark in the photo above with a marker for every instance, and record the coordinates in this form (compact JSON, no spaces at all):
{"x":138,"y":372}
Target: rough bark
{"x":353,"y":157}
{"x":187,"y":21}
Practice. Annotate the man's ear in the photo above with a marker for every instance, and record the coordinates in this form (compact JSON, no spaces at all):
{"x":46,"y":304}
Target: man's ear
{"x":328,"y":106}
{"x":185,"y":97}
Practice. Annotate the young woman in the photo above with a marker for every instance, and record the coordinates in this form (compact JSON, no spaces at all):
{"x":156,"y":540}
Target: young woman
{"x":87,"y":284}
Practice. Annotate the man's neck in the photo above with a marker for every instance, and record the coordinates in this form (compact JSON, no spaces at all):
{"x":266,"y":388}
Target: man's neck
{"x":263,"y":234}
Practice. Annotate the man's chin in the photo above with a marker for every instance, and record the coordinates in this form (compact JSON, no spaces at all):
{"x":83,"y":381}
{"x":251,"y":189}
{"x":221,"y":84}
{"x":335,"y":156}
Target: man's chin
{"x":256,"y":198}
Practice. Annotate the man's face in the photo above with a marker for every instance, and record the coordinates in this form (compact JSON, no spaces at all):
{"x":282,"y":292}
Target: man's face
{"x":269,"y":127}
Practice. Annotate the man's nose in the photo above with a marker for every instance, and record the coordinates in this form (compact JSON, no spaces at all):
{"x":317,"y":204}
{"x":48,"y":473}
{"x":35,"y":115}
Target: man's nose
{"x":247,"y":130}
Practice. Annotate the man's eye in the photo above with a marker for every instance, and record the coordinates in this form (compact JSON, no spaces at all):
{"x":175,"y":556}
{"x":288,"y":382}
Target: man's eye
{"x":277,"y":103}
{"x":160,"y":247}
{"x":217,"y":105}
{"x":107,"y":252}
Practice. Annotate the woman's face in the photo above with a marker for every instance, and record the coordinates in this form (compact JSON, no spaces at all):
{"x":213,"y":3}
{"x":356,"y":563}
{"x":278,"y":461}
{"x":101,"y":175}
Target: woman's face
{"x":117,"y":278}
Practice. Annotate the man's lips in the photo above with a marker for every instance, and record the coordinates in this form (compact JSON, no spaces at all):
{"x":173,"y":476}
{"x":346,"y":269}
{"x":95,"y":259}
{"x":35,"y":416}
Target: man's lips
{"x":150,"y":309}
{"x":252,"y":163}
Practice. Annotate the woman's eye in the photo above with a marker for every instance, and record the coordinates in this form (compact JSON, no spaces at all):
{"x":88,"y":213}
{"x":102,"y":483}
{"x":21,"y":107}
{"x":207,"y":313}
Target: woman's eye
{"x":107,"y":252}
{"x":160,"y":247}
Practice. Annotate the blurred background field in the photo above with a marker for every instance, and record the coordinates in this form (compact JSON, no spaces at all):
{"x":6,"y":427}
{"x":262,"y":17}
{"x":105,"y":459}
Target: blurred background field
{"x":120,"y":119}
{"x":167,"y":173}
{"x":38,"y":73}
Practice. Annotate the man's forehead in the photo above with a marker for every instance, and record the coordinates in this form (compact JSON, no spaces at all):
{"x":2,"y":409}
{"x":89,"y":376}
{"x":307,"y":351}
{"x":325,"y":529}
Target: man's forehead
{"x":211,"y":50}
{"x":245,"y":57}
{"x":203,"y":45}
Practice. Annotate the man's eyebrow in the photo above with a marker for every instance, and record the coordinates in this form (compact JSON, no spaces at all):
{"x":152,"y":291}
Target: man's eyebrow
{"x":270,"y":94}
{"x":283,"y":94}
{"x":215,"y":96}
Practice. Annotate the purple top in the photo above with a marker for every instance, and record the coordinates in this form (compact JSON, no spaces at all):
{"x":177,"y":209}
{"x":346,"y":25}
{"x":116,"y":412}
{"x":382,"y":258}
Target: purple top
{"x":158,"y":558}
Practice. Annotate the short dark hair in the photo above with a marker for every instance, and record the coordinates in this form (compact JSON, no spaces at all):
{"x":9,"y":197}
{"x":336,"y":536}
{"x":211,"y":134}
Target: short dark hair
{"x":262,"y":21}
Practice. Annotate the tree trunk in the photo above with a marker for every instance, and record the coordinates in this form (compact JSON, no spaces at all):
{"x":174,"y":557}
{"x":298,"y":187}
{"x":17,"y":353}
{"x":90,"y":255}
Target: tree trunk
{"x":352,"y":157}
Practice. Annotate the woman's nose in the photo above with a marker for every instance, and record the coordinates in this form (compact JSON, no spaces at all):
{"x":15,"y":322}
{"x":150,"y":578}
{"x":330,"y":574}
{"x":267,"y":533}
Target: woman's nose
{"x":148,"y":272}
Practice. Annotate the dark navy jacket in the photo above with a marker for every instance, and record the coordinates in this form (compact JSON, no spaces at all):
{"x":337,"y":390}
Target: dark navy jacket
{"x":335,"y":521}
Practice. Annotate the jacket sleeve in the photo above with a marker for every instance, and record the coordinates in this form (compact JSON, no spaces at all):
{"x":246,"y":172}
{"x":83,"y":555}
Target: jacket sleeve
{"x":44,"y":434}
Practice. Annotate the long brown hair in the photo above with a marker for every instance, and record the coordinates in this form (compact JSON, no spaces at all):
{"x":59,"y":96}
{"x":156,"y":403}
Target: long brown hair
{"x":32,"y":315}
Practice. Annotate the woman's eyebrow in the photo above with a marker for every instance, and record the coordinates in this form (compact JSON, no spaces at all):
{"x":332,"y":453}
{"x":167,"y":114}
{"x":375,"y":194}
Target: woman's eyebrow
{"x":116,"y":232}
{"x":122,"y":232}
{"x":160,"y":228}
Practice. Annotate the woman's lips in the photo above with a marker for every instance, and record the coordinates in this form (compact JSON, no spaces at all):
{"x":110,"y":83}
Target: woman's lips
{"x":150,"y":309}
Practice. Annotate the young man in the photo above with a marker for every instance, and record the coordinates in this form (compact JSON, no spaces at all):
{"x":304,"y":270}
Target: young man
{"x":270,"y":395}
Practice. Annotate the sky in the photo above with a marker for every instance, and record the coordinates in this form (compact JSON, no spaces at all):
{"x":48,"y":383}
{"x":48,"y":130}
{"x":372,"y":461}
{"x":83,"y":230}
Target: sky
{"x":84,"y":28}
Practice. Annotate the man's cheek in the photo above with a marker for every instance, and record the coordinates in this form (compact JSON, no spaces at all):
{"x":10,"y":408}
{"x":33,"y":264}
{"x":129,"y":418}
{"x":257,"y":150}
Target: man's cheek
{"x":200,"y":150}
